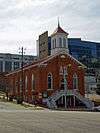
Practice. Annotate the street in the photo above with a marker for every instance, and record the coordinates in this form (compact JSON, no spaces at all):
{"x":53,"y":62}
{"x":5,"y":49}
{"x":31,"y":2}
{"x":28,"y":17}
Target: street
{"x":16,"y":119}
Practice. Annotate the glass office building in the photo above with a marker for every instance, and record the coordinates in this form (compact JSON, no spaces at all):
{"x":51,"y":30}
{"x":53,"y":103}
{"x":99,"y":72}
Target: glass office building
{"x":85,"y":51}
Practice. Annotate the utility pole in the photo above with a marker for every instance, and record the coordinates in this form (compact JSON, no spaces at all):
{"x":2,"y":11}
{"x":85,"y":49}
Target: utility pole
{"x":20,"y":100}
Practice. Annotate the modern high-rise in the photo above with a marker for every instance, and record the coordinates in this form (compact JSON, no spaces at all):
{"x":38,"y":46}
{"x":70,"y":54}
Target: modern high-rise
{"x":85,"y":51}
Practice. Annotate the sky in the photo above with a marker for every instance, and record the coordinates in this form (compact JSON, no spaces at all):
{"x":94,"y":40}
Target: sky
{"x":22,"y":21}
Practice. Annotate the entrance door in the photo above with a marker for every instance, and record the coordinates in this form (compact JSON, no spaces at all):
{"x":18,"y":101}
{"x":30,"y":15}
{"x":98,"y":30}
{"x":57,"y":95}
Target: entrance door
{"x":62,"y":84}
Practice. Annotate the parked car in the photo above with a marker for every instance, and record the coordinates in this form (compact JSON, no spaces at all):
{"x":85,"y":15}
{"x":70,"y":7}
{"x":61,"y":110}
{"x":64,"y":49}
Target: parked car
{"x":96,"y":108}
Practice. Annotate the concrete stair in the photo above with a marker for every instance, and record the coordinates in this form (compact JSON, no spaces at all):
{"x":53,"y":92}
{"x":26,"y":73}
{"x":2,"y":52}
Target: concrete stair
{"x":84,"y":100}
{"x":51,"y":101}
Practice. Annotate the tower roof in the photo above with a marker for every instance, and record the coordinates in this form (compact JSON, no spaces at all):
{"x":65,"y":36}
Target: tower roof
{"x":59,"y":30}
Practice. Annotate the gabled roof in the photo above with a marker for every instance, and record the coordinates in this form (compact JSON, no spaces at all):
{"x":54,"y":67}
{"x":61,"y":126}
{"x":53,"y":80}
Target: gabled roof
{"x":64,"y":53}
{"x":45,"y":60}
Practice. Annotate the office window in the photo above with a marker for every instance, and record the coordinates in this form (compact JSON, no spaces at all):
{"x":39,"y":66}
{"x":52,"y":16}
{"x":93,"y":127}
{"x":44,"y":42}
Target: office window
{"x":8,"y":66}
{"x":16,"y":65}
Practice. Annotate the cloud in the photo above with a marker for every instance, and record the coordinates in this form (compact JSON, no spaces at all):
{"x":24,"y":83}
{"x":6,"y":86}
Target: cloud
{"x":26,"y":19}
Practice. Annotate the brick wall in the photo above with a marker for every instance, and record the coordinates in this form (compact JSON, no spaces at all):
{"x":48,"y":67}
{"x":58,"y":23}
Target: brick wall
{"x":40,"y":73}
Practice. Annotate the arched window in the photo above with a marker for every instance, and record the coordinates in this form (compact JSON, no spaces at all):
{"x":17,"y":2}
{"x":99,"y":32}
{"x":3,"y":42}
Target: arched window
{"x":26,"y":83}
{"x":20,"y":84}
{"x":55,"y":43}
{"x":50,"y":81}
{"x":16,"y":87}
{"x":60,"y":42}
{"x":64,"y":42}
{"x":62,"y":84}
{"x":33,"y":82}
{"x":75,"y":81}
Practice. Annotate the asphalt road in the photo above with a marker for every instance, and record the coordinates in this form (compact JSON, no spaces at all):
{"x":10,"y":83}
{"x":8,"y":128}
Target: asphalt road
{"x":45,"y":121}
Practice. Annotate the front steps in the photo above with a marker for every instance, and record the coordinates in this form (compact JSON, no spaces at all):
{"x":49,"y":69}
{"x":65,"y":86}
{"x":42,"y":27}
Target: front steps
{"x":51,"y":101}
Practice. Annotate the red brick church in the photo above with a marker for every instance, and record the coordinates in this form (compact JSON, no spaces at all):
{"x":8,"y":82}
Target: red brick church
{"x":55,"y":81}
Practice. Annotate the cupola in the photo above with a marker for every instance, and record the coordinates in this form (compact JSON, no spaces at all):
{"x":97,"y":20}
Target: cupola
{"x":59,"y":40}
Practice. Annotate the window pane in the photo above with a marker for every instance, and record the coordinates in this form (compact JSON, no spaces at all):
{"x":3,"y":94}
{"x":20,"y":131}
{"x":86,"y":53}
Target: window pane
{"x":60,"y":42}
{"x":64,"y":42}
{"x":26,"y":83}
{"x":16,"y":65}
{"x":55,"y":43}
{"x":8,"y":66}
{"x":33,"y":82}
{"x":75,"y":82}
{"x":49,"y":81}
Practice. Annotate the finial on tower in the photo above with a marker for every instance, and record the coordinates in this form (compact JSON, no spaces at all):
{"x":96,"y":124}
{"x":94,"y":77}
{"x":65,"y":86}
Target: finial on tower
{"x":58,"y":22}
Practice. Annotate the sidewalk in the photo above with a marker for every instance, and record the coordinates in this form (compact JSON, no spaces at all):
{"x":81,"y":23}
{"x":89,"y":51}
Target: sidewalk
{"x":6,"y":105}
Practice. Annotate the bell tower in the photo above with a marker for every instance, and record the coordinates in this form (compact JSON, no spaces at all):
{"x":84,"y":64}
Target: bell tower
{"x":59,"y":40}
